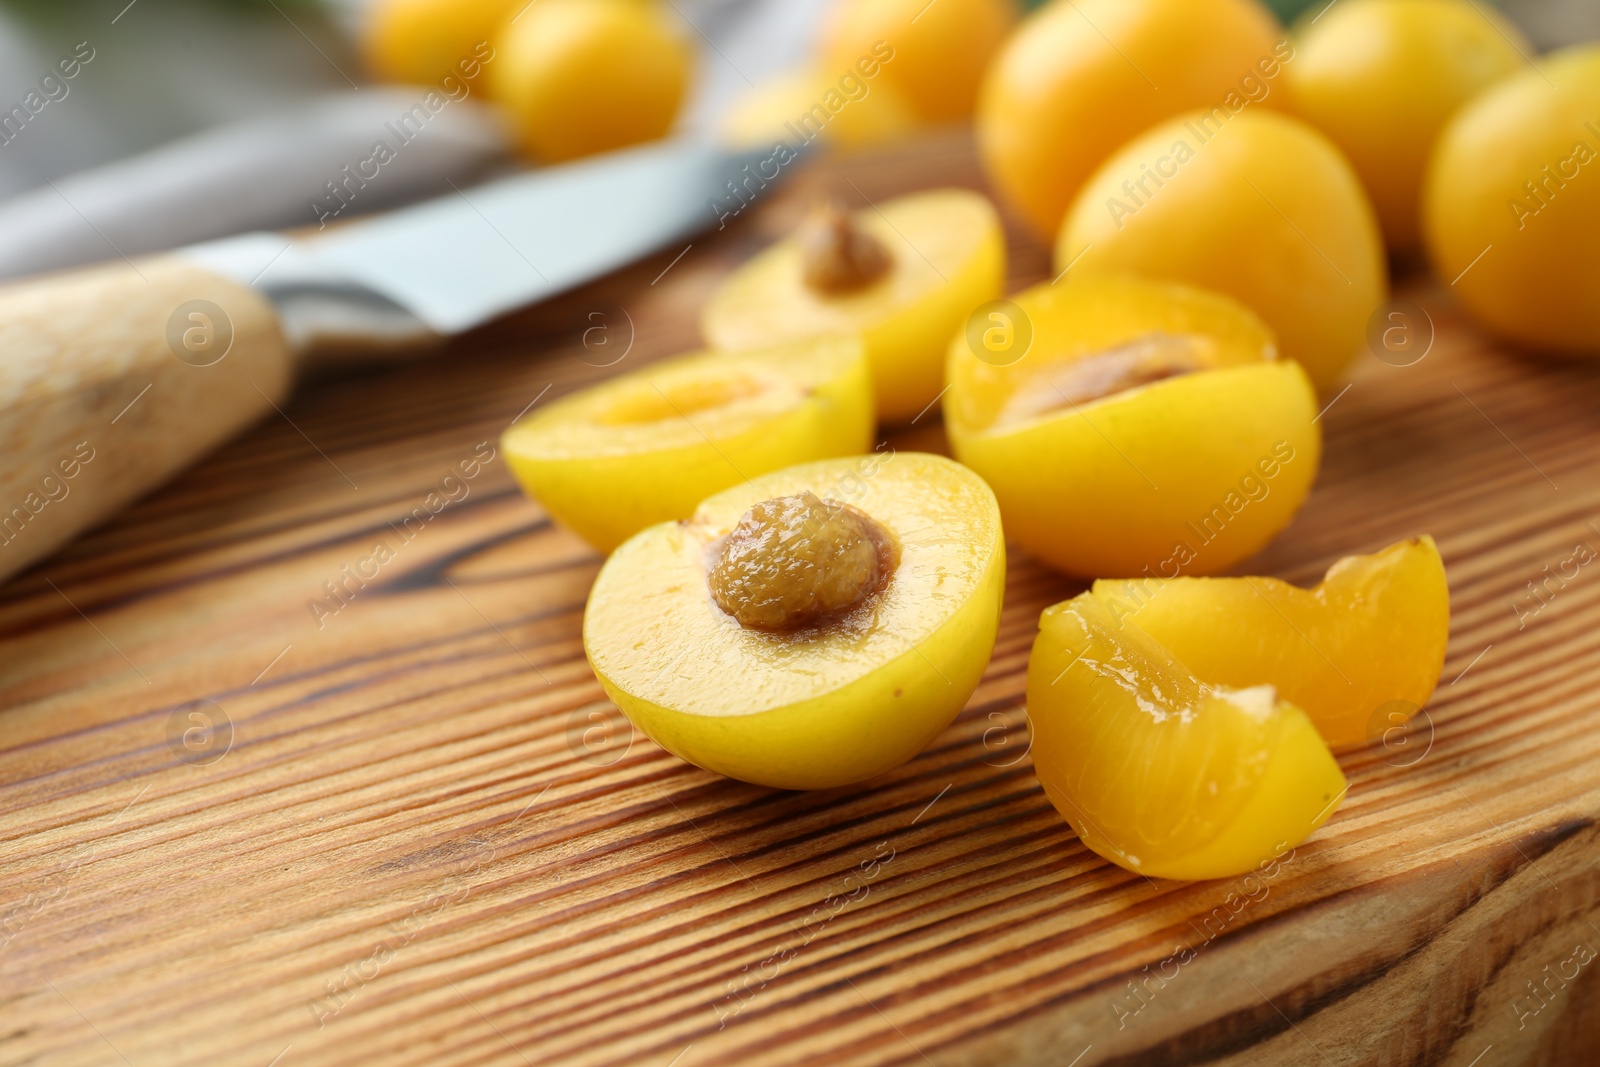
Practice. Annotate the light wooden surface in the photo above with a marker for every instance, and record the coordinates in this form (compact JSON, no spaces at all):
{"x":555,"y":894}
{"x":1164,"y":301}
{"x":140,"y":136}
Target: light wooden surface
{"x":417,"y":847}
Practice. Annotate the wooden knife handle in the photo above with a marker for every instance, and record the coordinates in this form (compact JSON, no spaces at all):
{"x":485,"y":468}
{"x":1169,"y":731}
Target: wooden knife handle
{"x":115,"y":378}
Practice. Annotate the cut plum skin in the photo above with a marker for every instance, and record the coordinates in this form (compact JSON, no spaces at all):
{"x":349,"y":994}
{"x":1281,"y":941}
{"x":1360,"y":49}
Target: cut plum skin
{"x":842,"y":701}
{"x":1360,"y":652}
{"x":1159,"y":772}
{"x":1185,"y":474}
{"x":948,"y":257}
{"x":647,"y":446}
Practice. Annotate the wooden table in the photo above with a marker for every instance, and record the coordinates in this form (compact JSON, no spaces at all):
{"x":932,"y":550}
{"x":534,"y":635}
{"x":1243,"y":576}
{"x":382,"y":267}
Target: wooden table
{"x":416,"y":832}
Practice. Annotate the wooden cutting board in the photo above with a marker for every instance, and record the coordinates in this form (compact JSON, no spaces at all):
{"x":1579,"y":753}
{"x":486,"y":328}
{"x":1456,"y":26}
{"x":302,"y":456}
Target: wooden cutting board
{"x":416,"y":832}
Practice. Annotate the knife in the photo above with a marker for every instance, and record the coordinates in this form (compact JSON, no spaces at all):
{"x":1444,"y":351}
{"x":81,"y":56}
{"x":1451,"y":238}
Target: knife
{"x":269,"y":172}
{"x":116,"y":377}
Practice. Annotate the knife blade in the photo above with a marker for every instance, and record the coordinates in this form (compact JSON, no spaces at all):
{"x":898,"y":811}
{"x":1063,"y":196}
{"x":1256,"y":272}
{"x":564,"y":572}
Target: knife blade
{"x":463,"y":259}
{"x":267,"y":172}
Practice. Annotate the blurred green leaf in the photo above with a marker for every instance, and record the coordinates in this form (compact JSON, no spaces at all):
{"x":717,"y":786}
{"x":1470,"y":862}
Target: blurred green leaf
{"x":1288,"y":10}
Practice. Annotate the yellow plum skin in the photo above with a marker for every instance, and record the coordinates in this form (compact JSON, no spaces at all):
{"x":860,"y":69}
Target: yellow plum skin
{"x":821,"y":708}
{"x":1183,"y":476}
{"x":1260,"y":207}
{"x":648,"y":446}
{"x":1382,"y":77}
{"x":1080,"y":78}
{"x":783,"y":109}
{"x":936,"y":53}
{"x":1158,"y":771}
{"x":1360,"y":652}
{"x":948,"y":257}
{"x":1512,"y":206}
{"x":579,"y":77}
{"x":422,"y":41}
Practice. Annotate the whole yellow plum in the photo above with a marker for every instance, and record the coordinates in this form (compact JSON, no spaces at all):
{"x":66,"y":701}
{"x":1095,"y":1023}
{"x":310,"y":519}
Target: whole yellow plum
{"x":1382,"y":77}
{"x":1080,"y":78}
{"x":585,"y":76}
{"x":423,"y":40}
{"x":933,"y":54}
{"x":1512,"y":205}
{"x":1252,"y":204}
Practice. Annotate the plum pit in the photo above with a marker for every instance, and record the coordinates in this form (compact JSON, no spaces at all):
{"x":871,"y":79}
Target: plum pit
{"x":798,"y":561}
{"x":1144,"y":360}
{"x":836,"y":255}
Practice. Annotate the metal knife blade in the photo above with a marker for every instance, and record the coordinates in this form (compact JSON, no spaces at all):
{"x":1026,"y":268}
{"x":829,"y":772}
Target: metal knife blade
{"x":466,"y":258}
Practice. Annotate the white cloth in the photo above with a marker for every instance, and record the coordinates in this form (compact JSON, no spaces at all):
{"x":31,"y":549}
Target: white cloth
{"x":194,"y":121}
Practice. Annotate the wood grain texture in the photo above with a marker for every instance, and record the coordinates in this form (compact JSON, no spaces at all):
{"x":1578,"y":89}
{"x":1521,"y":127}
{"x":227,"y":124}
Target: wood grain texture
{"x":429,"y":839}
